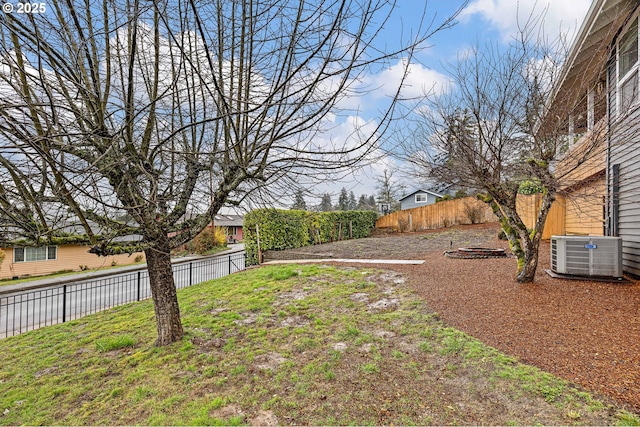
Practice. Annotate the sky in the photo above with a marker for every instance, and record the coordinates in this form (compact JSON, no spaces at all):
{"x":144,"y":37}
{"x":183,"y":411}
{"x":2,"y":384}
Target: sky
{"x":480,"y":22}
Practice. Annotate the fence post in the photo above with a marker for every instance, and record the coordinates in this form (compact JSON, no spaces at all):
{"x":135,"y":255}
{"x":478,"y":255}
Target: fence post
{"x":138,"y":297}
{"x":258,"y":240}
{"x":229,"y":263}
{"x":64,"y":303}
{"x":190,"y":273}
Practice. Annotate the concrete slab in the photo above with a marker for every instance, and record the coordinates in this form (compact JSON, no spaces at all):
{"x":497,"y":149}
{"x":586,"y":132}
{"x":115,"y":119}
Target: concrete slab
{"x":347,"y":260}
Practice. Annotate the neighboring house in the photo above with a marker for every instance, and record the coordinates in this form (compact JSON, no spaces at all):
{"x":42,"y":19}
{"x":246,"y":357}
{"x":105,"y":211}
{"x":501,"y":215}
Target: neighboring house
{"x":418,"y":198}
{"x":232,"y":224}
{"x":24,"y":261}
{"x":599,"y":92}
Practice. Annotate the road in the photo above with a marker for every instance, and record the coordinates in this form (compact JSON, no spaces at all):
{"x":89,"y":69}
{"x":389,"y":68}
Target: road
{"x":26,"y":310}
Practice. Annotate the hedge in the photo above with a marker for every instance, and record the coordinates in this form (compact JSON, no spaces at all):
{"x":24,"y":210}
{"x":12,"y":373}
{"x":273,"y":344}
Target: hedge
{"x":288,"y":229}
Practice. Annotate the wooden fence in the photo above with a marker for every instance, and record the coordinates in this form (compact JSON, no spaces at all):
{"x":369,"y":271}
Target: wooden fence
{"x":438,"y":215}
{"x":461,"y":211}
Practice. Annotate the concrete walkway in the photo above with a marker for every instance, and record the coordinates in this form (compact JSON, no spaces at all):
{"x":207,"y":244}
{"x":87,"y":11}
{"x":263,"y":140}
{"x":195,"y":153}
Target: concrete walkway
{"x":347,"y":260}
{"x":78,"y":277}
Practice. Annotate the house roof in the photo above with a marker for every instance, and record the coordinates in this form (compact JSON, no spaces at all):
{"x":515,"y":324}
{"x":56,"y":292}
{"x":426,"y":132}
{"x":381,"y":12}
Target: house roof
{"x":421,"y":191}
{"x":586,"y":62}
{"x":228,"y":220}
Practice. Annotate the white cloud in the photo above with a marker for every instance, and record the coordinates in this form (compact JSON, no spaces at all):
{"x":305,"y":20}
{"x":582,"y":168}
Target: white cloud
{"x":420,"y":81}
{"x":507,"y":15}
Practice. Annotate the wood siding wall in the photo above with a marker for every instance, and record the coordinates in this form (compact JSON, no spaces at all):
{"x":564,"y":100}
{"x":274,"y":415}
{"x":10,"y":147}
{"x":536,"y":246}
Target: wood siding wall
{"x":585,"y":209}
{"x":70,"y":257}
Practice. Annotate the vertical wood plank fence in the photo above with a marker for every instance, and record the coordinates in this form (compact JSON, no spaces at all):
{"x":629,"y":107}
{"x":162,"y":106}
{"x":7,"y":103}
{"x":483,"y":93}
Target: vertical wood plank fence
{"x":460,"y":211}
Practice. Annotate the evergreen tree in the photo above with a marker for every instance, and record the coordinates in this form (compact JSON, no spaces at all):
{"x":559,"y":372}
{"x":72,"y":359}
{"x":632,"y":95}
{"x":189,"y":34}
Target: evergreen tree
{"x":298,"y":202}
{"x":362,"y":203}
{"x":371,"y":202}
{"x":353,"y":205}
{"x":343,"y":200}
{"x":325,"y":203}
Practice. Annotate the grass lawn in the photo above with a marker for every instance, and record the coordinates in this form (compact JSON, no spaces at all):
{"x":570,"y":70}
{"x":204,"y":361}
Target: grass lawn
{"x":283,"y":344}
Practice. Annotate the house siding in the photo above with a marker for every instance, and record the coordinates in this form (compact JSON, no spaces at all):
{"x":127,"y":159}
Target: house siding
{"x":69,"y":257}
{"x":410,"y":201}
{"x":625,"y":152}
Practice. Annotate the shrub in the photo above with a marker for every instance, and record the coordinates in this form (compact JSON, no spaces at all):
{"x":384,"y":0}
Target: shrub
{"x":473,"y":212}
{"x":208,"y":239}
{"x":530,"y":187}
{"x":288,"y":229}
{"x":460,"y":194}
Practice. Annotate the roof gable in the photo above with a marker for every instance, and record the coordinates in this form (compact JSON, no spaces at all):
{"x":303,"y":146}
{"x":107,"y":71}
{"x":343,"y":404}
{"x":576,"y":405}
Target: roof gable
{"x":421,"y":192}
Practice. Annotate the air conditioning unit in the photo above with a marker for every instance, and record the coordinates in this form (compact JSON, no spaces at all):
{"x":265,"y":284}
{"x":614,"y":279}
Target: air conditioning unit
{"x":596,"y":256}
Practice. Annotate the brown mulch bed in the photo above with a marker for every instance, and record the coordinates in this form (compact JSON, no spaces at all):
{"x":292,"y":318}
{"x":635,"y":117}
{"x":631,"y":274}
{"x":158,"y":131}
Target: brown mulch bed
{"x":584,"y":331}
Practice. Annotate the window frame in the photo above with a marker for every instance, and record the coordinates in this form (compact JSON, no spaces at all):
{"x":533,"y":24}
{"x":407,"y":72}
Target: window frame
{"x":425,"y":195}
{"x":50,"y":253}
{"x":624,"y":107}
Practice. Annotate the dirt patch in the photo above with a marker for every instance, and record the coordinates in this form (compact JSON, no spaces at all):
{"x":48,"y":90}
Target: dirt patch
{"x":584,"y":331}
{"x":414,"y":245}
{"x":269,"y":361}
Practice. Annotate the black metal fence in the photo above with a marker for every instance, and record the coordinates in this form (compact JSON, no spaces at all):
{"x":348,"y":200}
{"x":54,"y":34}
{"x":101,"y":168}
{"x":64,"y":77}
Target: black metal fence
{"x":25,"y":311}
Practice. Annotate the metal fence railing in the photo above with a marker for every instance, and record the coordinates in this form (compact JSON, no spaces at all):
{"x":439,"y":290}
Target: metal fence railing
{"x":28,"y":310}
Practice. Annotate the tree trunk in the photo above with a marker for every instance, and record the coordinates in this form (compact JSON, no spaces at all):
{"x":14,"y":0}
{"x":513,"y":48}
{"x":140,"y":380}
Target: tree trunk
{"x":527,"y":265}
{"x":165,"y":298}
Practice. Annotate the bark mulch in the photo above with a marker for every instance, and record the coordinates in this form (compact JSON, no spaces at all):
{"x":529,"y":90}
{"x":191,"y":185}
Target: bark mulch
{"x":587,"y":332}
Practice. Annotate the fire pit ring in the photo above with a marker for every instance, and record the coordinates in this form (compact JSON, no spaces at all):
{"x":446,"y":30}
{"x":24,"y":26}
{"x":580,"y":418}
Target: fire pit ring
{"x":472,"y":253}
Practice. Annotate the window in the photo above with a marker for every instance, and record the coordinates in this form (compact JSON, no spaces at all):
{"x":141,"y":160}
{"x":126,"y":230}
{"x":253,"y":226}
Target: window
{"x":30,"y":254}
{"x":628,"y":49}
{"x":421,"y":198}
{"x":626,"y":83}
{"x":629,"y":92}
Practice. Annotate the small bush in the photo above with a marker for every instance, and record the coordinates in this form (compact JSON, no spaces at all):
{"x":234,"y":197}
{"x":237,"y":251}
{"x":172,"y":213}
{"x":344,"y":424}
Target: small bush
{"x":530,"y":187}
{"x":473,"y":213}
{"x":138,"y":258}
{"x":460,"y":194}
{"x":208,"y":239}
{"x":83,"y":267}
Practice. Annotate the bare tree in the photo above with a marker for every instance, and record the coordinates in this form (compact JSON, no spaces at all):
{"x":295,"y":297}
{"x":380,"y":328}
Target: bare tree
{"x":389,"y":190}
{"x":142,"y":119}
{"x":492,"y":132}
